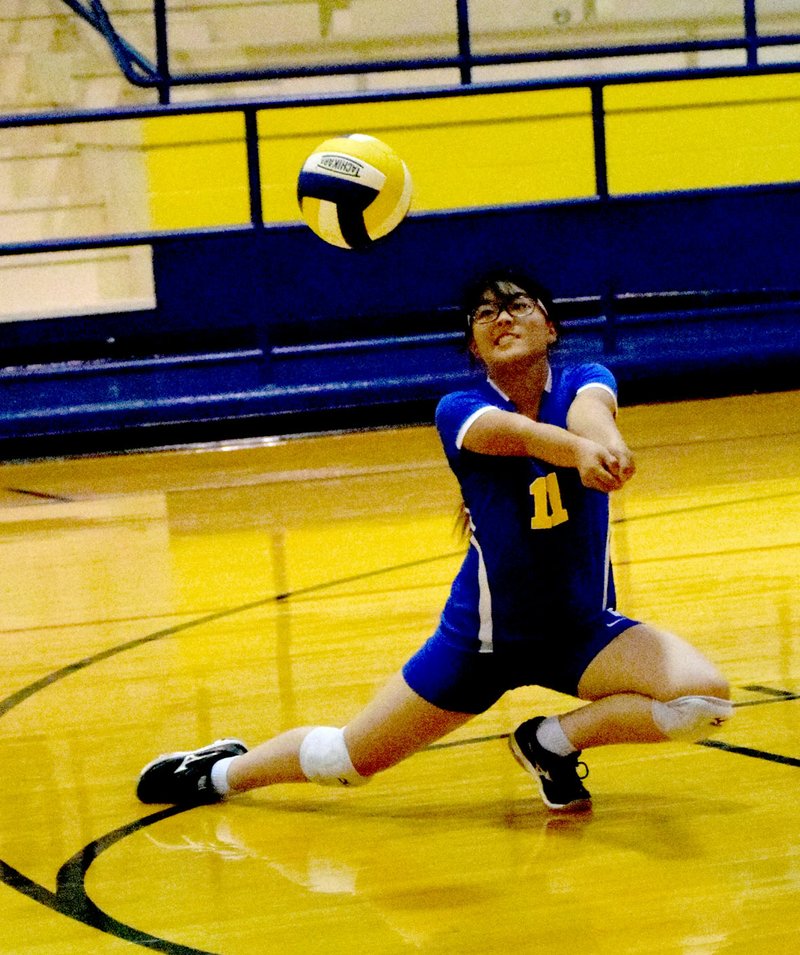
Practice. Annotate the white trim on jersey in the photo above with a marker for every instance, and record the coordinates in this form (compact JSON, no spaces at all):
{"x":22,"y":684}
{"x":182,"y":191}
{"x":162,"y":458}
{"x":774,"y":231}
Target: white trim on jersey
{"x":486,"y":628}
{"x":607,"y":571}
{"x":598,"y":384}
{"x":548,"y":387}
{"x":498,"y":389}
{"x":469,"y":422}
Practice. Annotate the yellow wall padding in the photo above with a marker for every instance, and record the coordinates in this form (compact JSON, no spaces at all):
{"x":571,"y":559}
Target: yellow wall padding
{"x":466,"y":151}
{"x":707,"y":133}
{"x":196,"y":170}
{"x":489,"y":149}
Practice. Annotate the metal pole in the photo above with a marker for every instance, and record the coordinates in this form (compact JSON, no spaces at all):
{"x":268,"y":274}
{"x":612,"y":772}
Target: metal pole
{"x":599,"y":129}
{"x":601,"y":186}
{"x":464,"y":45}
{"x":162,"y":50}
{"x":253,"y":166}
{"x":751,"y":32}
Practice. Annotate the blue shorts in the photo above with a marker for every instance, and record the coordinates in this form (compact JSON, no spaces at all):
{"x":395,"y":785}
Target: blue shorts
{"x":461,"y":679}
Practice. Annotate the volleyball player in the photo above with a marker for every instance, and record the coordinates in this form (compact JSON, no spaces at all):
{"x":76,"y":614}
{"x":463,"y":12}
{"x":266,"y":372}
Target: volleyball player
{"x":536,"y":451}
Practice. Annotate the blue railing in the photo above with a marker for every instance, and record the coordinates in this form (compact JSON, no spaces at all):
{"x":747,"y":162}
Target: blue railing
{"x":250,"y":109}
{"x":142,"y":72}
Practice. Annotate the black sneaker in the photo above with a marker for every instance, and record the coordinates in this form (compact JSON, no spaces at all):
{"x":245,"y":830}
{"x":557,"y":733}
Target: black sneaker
{"x":185,"y":778}
{"x":559,"y":782}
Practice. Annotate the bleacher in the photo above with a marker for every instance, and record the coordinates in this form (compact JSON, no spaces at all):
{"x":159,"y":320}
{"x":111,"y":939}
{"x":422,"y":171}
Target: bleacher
{"x":137,"y":308}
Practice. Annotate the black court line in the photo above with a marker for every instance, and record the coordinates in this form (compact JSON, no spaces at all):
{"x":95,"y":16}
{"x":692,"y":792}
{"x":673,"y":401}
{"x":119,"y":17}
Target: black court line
{"x":710,"y":506}
{"x":71,"y":887}
{"x":700,"y":555}
{"x":27,"y":691}
{"x":71,"y":899}
{"x":104,"y":622}
{"x":466,"y":742}
{"x":770,"y":691}
{"x":778,"y":698}
{"x":747,"y":751}
{"x":41,"y":495}
{"x":714,"y":439}
{"x":773,"y":695}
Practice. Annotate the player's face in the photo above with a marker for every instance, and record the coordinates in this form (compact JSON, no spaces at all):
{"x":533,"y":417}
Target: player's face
{"x":508,"y":325}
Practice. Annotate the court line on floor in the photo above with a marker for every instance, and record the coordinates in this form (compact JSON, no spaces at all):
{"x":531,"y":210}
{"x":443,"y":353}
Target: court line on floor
{"x":27,"y":691}
{"x":774,"y":695}
{"x":748,"y":751}
{"x":71,"y":898}
{"x":708,"y":506}
{"x":41,"y":495}
{"x":701,"y":555}
{"x":105,"y":622}
{"x":72,"y":901}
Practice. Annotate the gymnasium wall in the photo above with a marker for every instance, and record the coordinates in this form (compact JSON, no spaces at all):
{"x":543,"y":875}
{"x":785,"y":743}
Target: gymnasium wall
{"x":495,"y":149}
{"x":674,"y":257}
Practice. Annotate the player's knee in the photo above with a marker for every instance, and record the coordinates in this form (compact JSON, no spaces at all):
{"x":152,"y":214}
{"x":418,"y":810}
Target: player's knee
{"x":324,"y":759}
{"x":691,"y":718}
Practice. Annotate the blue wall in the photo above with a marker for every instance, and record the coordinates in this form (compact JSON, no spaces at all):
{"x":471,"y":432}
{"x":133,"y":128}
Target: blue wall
{"x":270,"y":330}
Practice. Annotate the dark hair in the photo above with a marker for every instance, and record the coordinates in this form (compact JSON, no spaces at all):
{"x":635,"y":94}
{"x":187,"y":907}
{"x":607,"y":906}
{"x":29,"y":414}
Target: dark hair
{"x":492,"y":279}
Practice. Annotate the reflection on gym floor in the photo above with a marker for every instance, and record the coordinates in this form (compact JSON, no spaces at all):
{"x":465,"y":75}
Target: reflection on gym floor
{"x":157,"y":601}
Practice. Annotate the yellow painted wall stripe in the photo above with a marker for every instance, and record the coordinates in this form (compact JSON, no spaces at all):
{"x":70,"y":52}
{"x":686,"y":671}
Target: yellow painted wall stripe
{"x":461,"y":151}
{"x":488,"y":149}
{"x":196,"y":170}
{"x":697,"y":134}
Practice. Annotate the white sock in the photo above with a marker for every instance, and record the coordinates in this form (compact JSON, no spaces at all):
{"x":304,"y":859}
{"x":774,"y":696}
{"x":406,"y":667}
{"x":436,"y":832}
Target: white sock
{"x":552,"y":737}
{"x":219,"y":775}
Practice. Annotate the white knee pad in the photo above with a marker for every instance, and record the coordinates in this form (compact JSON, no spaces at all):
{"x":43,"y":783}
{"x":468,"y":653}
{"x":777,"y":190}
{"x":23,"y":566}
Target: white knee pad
{"x":691,"y":718}
{"x":324,"y":759}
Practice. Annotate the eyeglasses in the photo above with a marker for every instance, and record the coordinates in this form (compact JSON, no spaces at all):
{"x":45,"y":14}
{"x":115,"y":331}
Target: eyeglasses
{"x":517,"y":306}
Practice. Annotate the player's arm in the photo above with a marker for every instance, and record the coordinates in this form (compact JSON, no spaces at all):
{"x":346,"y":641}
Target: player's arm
{"x":593,"y":415}
{"x":506,"y":433}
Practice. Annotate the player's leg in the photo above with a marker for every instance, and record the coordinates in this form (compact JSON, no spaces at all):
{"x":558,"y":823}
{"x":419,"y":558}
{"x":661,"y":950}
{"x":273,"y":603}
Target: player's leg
{"x":394,"y":725}
{"x":647,"y":685}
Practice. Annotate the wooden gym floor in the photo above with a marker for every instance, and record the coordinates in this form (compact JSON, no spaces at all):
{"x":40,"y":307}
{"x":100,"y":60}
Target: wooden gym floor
{"x":157,"y":601}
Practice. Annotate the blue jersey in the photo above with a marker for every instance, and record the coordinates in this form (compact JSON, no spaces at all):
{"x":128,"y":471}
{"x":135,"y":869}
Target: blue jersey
{"x":538,"y":560}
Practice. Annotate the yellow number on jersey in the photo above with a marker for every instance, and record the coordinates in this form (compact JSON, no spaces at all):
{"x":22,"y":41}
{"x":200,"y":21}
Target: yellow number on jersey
{"x":548,"y":511}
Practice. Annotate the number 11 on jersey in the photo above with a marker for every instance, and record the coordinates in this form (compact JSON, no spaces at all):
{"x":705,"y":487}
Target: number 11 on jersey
{"x":548,"y":511}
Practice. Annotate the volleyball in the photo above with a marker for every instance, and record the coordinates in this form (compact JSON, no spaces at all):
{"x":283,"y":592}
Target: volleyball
{"x":353,"y":190}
